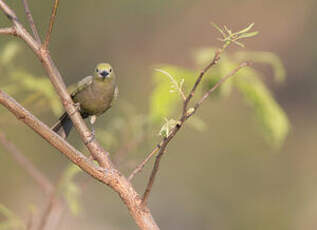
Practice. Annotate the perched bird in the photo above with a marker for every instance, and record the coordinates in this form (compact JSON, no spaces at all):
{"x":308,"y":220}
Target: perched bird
{"x":94,"y":95}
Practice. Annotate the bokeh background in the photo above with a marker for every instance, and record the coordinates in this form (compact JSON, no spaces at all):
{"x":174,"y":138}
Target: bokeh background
{"x":227,"y":177}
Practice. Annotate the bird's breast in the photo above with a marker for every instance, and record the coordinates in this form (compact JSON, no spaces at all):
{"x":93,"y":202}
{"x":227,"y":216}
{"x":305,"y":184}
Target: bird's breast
{"x":97,"y":98}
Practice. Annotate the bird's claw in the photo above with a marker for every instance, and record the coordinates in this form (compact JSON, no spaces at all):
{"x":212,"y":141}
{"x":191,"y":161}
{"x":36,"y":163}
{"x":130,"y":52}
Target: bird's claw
{"x":91,"y":137}
{"x":77,"y":107}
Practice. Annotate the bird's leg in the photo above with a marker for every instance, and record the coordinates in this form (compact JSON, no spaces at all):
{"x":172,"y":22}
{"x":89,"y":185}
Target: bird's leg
{"x":92,"y":122}
{"x":93,"y":132}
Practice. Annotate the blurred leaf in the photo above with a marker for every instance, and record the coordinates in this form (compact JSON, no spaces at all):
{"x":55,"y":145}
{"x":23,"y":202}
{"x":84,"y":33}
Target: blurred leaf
{"x":108,"y":138}
{"x":6,"y":212}
{"x":175,"y":85}
{"x":267,"y":58}
{"x":11,"y":89}
{"x":70,"y":190}
{"x":9,"y":52}
{"x":202,"y":57}
{"x":270,"y":115}
{"x":272,"y":118}
{"x":40,"y":87}
{"x":12,"y":221}
{"x":196,"y":123}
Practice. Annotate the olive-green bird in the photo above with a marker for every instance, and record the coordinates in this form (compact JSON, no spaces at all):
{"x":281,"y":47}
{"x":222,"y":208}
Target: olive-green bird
{"x":94,"y":95}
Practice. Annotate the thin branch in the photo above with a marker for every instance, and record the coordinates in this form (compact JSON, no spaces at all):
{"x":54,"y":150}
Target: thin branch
{"x":36,"y":174}
{"x":31,"y":21}
{"x":185,"y":105}
{"x":185,"y":116}
{"x":218,"y":84}
{"x":139,"y":168}
{"x":127,"y":148}
{"x":200,"y":77}
{"x":51,"y":24}
{"x":8,"y":31}
{"x":52,"y":202}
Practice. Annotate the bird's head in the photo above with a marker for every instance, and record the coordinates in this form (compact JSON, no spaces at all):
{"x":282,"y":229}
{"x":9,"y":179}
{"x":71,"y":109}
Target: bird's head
{"x":103,"y":71}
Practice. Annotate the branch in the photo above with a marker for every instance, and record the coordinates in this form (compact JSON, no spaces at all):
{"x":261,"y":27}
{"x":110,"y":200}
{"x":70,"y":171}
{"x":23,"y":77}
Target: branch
{"x":51,"y":24}
{"x":143,"y":163}
{"x":111,"y":177}
{"x":200,"y":77}
{"x":186,"y":114}
{"x":106,"y":173}
{"x":31,"y":21}
{"x":37,"y":175}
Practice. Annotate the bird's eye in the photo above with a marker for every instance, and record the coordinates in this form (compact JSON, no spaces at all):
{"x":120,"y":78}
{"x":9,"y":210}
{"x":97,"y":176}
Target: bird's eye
{"x":97,"y":70}
{"x":110,"y":70}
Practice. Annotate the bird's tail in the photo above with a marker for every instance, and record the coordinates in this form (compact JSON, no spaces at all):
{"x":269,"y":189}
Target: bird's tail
{"x":63,"y":126}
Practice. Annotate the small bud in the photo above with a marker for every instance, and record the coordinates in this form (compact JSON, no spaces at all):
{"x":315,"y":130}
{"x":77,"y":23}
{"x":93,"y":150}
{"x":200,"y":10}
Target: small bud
{"x":190,"y":111}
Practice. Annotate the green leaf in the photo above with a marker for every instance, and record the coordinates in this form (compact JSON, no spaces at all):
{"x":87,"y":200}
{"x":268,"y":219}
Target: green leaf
{"x":167,"y":127}
{"x":12,"y":221}
{"x":162,"y":102}
{"x":267,"y":58}
{"x":39,"y":86}
{"x":219,"y":29}
{"x":249,"y":35}
{"x":196,"y":123}
{"x":70,"y":190}
{"x":268,"y":112}
{"x":246,"y":29}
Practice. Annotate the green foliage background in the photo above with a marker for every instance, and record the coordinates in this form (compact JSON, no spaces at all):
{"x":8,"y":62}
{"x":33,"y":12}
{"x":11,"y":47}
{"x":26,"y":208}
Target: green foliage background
{"x":224,"y":175}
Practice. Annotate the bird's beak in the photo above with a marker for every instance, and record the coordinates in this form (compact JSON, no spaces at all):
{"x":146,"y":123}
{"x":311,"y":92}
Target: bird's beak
{"x":104,"y":74}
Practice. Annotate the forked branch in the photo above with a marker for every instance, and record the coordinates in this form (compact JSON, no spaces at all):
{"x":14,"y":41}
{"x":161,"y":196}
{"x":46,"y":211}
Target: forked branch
{"x":186,"y":114}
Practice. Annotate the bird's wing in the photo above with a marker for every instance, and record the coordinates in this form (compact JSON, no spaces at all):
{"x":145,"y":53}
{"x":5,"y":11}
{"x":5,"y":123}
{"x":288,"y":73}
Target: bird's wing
{"x":115,"y":95}
{"x":84,"y":83}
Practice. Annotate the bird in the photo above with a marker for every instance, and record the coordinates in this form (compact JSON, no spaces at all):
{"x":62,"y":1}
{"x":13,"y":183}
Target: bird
{"x":93,"y":96}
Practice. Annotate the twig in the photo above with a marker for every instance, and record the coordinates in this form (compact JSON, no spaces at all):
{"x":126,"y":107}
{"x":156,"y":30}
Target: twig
{"x":185,"y":105}
{"x":31,"y":21}
{"x":51,"y":24}
{"x":143,"y":163}
{"x":219,"y":83}
{"x":7,"y":30}
{"x":127,"y":148}
{"x":202,"y":73}
{"x":52,"y":202}
{"x":37,"y":175}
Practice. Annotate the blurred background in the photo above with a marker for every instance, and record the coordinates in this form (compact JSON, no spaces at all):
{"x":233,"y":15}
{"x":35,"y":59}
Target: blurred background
{"x":225,"y":177}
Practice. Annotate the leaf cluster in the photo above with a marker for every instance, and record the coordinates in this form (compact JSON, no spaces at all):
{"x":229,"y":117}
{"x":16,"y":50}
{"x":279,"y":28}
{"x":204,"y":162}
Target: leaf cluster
{"x":248,"y":82}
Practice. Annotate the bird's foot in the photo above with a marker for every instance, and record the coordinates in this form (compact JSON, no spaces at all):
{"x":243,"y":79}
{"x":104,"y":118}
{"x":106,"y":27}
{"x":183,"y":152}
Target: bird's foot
{"x":77,"y":108}
{"x":91,"y":137}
